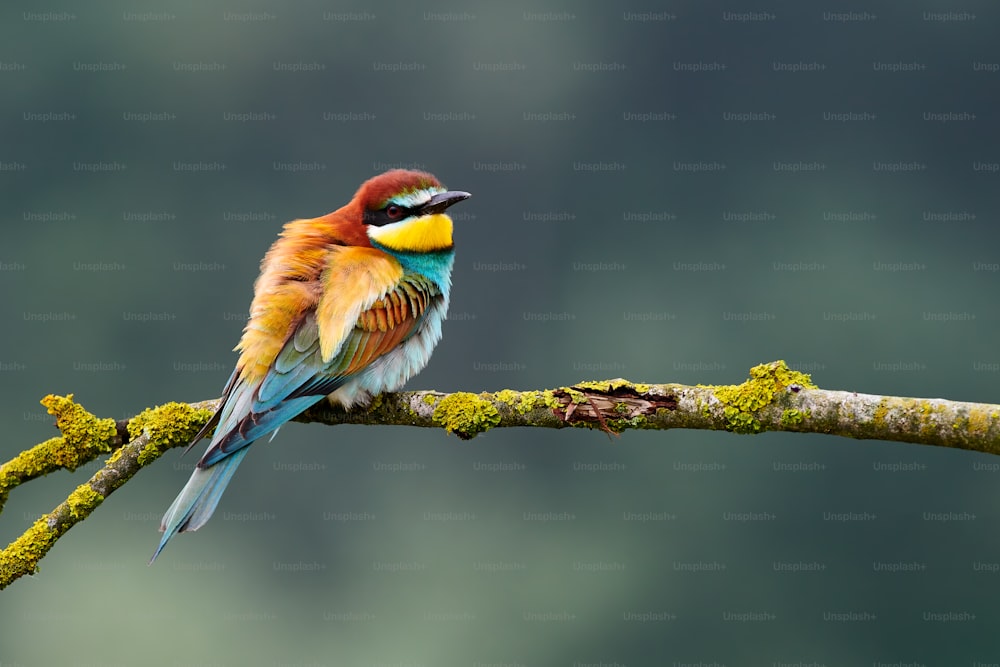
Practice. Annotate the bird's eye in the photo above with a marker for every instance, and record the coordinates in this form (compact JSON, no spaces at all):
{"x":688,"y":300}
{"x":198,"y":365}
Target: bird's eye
{"x":394,"y":212}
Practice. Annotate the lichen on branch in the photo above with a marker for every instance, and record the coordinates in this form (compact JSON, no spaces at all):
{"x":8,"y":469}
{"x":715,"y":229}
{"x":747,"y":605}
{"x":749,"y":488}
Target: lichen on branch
{"x":84,"y":438}
{"x":773,"y":398}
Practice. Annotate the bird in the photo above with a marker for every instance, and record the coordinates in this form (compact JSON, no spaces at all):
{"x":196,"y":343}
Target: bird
{"x":347,"y":306}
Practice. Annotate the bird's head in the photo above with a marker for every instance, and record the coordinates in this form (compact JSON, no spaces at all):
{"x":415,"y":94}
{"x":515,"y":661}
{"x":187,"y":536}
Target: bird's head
{"x":404,"y":211}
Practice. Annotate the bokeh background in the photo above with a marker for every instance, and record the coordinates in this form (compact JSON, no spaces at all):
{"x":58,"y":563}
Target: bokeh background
{"x":662,"y":191}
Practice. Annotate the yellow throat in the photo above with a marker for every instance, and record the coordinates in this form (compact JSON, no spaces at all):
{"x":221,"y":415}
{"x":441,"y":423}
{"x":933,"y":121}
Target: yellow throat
{"x":425,"y":233}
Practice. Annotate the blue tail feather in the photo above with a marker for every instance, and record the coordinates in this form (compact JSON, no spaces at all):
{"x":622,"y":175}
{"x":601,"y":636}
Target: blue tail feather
{"x":239,"y":434}
{"x":195,"y":503}
{"x":198,"y":499}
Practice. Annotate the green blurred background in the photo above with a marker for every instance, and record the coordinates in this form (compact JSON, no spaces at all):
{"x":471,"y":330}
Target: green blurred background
{"x":667,"y":192}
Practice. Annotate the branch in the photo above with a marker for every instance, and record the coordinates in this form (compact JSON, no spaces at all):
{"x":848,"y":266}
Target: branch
{"x":774,"y":398}
{"x":84,"y":438}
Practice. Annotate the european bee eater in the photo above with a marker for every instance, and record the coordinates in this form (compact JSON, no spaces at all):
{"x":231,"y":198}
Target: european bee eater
{"x":347,"y":305}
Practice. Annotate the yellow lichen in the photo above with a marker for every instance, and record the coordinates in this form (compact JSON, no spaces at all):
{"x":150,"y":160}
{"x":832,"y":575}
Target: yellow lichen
{"x":84,"y":435}
{"x":466,"y":415}
{"x":792,"y":417}
{"x":83,"y":500}
{"x":167,"y":425}
{"x":600,"y":385}
{"x":605,"y":386}
{"x":84,"y":438}
{"x":880,"y":414}
{"x":928,"y":421}
{"x":508,"y":396}
{"x":765,"y":382}
{"x":375,"y":403}
{"x":550,"y":400}
{"x":115,"y":455}
{"x":521,"y":402}
{"x":23,"y":554}
{"x":741,"y":422}
{"x":40,"y":459}
{"x":620,"y":425}
{"x":979,"y":422}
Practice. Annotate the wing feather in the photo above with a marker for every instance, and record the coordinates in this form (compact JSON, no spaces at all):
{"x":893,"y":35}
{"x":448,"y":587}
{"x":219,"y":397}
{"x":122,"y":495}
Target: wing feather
{"x":355,"y":279}
{"x":367,"y":309}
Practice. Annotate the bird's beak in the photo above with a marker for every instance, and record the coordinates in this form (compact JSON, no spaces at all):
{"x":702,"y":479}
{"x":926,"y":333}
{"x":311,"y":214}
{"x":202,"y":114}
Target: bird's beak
{"x":440,"y":202}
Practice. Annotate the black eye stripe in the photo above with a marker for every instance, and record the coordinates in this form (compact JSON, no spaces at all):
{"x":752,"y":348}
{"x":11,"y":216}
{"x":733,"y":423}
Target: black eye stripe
{"x":380,"y":217}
